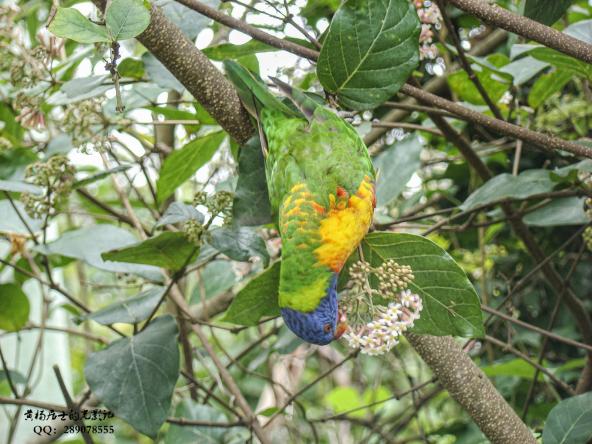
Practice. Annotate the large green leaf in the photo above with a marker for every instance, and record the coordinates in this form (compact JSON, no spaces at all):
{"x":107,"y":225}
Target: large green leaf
{"x":183,"y":163}
{"x":134,"y":377}
{"x":14,"y":307}
{"x":69,"y":23}
{"x":546,"y":11}
{"x":126,"y":19}
{"x":239,"y":243}
{"x":507,"y":186}
{"x":371,"y":48}
{"x":569,"y":421}
{"x":88,"y":243}
{"x":450,"y":304}
{"x":167,"y":250}
{"x":257,"y":299}
{"x":564,"y":211}
{"x":395,"y":167}
{"x":562,"y":61}
{"x":189,"y":409}
{"x":130,"y":311}
{"x":251,"y":200}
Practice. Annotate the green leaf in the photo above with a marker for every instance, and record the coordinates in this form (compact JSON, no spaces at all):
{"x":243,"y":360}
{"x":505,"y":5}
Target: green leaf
{"x":239,"y":243}
{"x":342,"y":399}
{"x":257,"y":299}
{"x":188,"y":20}
{"x":79,"y":89}
{"x":562,"y":61}
{"x":88,"y":243}
{"x":167,"y":250}
{"x":69,"y":23}
{"x":564,"y":211}
{"x":179,"y":212}
{"x":134,"y":377}
{"x":229,"y":51}
{"x":396,"y":165}
{"x":15,"y":376}
{"x":450,"y":304}
{"x":547,"y":85}
{"x":100,"y":175}
{"x":524,"y":69}
{"x":126,"y":19}
{"x":569,"y":421}
{"x":251,"y":201}
{"x":546,"y":11}
{"x":183,"y":163}
{"x":14,"y":307}
{"x":581,"y":30}
{"x":15,"y":186}
{"x":132,"y":68}
{"x":191,"y":410}
{"x":11,"y":222}
{"x":176,"y":114}
{"x":129,"y":311}
{"x":492,"y":82}
{"x":507,"y":186}
{"x":515,"y":368}
{"x":370,"y":49}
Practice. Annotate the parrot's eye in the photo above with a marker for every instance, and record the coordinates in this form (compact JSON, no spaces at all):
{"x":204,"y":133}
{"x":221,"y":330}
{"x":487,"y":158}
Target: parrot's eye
{"x":327,"y":328}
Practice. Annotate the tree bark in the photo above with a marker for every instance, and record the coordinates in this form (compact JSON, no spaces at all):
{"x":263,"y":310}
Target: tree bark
{"x":469,"y":386}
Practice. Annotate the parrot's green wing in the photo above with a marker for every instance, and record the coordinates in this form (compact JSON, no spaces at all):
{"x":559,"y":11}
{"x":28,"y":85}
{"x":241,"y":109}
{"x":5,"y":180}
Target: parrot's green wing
{"x":321,"y":186}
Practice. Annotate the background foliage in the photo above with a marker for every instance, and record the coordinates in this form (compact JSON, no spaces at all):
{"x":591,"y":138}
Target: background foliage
{"x":126,"y":210}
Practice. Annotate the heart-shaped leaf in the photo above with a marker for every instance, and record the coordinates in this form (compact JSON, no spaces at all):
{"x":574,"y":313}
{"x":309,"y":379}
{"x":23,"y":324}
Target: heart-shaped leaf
{"x":370,"y":50}
{"x":135,"y":377}
{"x":126,"y":19}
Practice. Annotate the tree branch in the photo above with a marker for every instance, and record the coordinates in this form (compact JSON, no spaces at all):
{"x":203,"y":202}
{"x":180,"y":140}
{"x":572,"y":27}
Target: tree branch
{"x":499,"y":17}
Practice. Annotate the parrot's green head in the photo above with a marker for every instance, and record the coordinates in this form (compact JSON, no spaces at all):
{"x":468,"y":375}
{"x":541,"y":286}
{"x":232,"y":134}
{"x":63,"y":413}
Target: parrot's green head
{"x":322,"y":325}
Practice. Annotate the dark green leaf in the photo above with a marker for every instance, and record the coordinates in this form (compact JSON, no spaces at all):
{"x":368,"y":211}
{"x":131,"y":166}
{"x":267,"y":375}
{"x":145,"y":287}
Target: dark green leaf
{"x":564,"y":211}
{"x":251,"y":201}
{"x":132,"y":68}
{"x":562,"y":61}
{"x":547,"y":85}
{"x":370,"y":50}
{"x":225,"y":51}
{"x":189,"y":409}
{"x":546,"y":11}
{"x":14,"y":307}
{"x":88,"y":243}
{"x":69,"y":23}
{"x":12,"y":223}
{"x":129,"y":311}
{"x":179,"y":212}
{"x":569,"y":421}
{"x":395,"y":167}
{"x":507,"y":186}
{"x":167,"y":250}
{"x":134,"y":377}
{"x":183,"y":163}
{"x":450,"y":304}
{"x":259,"y":298}
{"x":239,"y":243}
{"x":126,"y":19}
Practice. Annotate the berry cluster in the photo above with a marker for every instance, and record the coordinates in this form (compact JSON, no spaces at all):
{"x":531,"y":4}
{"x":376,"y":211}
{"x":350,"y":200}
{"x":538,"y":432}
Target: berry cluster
{"x":375,"y":329}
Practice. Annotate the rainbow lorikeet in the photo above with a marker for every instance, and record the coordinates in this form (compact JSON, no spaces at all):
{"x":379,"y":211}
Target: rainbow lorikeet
{"x":321,"y":187}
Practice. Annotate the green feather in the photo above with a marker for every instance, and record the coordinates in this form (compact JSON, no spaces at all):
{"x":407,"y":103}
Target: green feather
{"x":314,"y":147}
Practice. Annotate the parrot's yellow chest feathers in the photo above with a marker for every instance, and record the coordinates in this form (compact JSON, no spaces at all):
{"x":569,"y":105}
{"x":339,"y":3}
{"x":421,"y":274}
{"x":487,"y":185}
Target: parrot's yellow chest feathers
{"x":345,"y":224}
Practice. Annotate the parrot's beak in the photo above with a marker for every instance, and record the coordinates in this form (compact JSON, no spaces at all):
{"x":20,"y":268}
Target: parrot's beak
{"x":341,"y":325}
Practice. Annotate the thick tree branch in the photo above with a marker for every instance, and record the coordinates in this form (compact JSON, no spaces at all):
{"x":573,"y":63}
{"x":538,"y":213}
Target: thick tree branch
{"x":467,"y":384}
{"x":499,"y":17}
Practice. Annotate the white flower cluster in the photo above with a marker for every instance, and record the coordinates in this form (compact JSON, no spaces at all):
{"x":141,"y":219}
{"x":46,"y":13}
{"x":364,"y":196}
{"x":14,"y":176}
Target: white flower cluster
{"x":381,"y":334}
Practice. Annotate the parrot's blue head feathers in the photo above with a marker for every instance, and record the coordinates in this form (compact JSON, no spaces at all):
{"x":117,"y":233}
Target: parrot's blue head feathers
{"x":320,"y":326}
